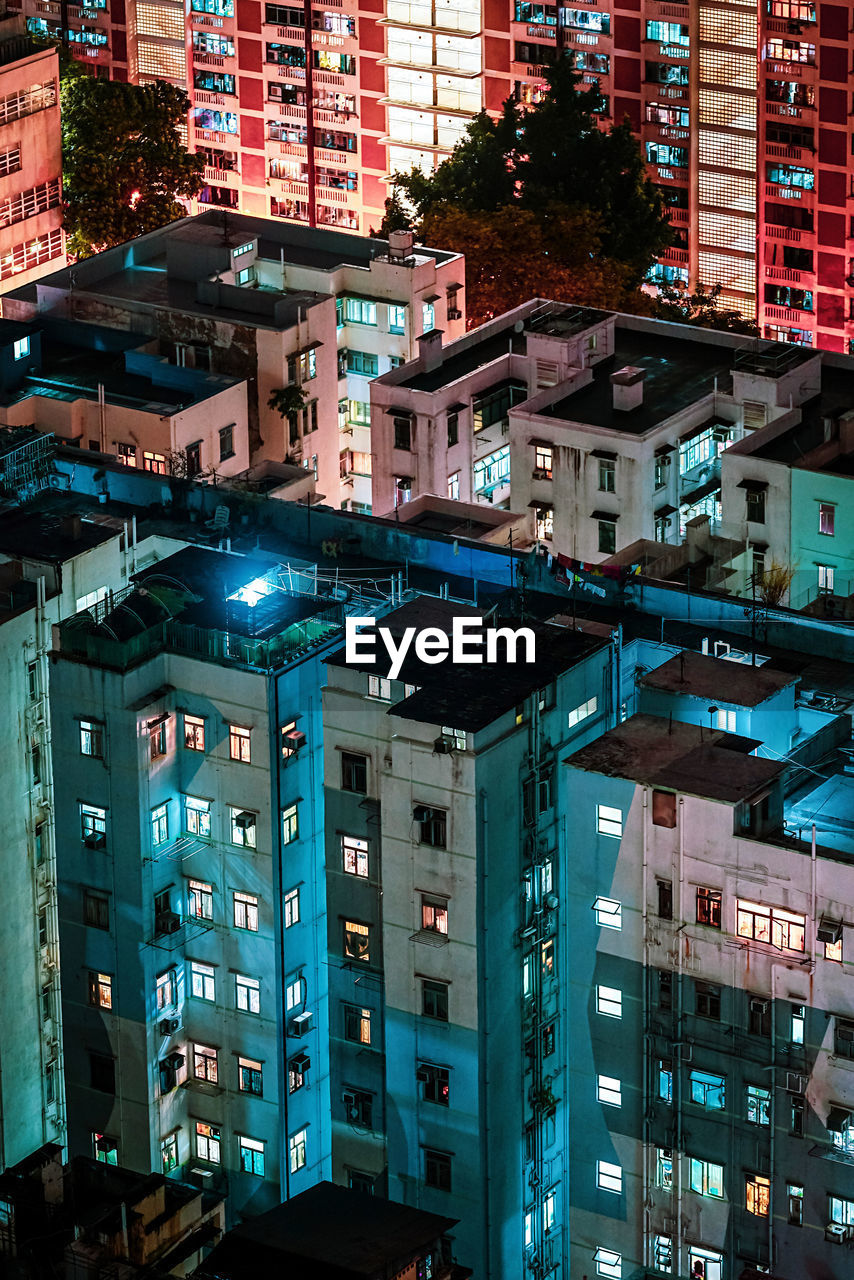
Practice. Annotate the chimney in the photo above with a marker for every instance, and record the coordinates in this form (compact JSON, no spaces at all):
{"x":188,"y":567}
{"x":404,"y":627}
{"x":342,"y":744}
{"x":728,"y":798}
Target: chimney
{"x":400,"y":245}
{"x":627,"y":384}
{"x":430,"y":350}
{"x":70,"y":528}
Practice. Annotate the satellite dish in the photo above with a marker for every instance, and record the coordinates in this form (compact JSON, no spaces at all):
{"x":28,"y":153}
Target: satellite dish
{"x":519,"y":326}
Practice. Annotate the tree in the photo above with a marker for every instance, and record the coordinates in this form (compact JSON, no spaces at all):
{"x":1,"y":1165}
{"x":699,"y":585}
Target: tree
{"x":287,"y":401}
{"x":513,"y":254}
{"x":124,"y":165}
{"x":701,"y":308}
{"x":553,"y":155}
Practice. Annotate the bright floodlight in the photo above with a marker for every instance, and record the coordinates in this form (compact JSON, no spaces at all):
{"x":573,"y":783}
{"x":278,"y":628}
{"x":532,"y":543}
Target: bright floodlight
{"x":252,"y":592}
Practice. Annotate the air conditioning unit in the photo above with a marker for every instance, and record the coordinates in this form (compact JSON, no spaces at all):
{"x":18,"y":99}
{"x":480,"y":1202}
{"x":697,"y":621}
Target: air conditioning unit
{"x":169,"y":1025}
{"x":422,"y":813}
{"x":442,"y":747}
{"x":95,"y":840}
{"x":845,"y":1032}
{"x":301,"y":1024}
{"x":795,"y":1083}
{"x":301,"y":1061}
{"x":540,"y":474}
{"x":295,"y":739}
{"x":351,"y":1105}
{"x":174,"y":1061}
{"x":167,"y":922}
{"x":829,"y":931}
{"x":244,"y":820}
{"x":552,"y":901}
{"x":422,"y":1074}
{"x":454,"y":313}
{"x":758,"y":1005}
{"x":837,"y":1232}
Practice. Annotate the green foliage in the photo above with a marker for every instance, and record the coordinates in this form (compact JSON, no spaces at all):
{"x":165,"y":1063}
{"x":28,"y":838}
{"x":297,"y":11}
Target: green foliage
{"x":701,"y":308}
{"x":124,"y":165}
{"x":287,"y":401}
{"x":553,"y":162}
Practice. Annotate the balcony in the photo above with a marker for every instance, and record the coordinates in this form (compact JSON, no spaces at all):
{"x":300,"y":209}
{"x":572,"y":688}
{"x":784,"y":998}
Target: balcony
{"x":787,"y":275}
{"x":226,"y":177}
{"x":790,"y":234}
{"x":792,"y":317}
{"x":781,"y":152}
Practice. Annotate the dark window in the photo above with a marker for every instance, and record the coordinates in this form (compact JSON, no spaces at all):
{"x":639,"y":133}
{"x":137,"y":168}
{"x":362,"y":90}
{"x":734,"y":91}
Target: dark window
{"x":708,"y":1001}
{"x":437,"y":1169}
{"x":843,"y":1038}
{"x":665,"y":990}
{"x":758,"y":1016}
{"x":102,"y":1073}
{"x":437,"y":1083}
{"x":453,"y":428}
{"x":354,"y":773}
{"x":363,"y":1182}
{"x":756,"y":506}
{"x":402,"y":433}
{"x":279,"y":15}
{"x":796,"y":1207}
{"x":96,"y":910}
{"x":357,"y":940}
{"x":663,"y":809}
{"x":158,"y":740}
{"x":709,"y":907}
{"x":433,"y":826}
{"x":359,"y":1107}
{"x":607,"y":537}
{"x":548,"y":1040}
{"x":796,"y":1119}
{"x":434,"y":999}
{"x":250,"y":1077}
{"x":226,"y":442}
{"x":665,"y":899}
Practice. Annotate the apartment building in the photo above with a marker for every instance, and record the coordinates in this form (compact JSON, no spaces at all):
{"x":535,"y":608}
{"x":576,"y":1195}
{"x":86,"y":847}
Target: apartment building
{"x":276,"y":307}
{"x":606,"y":429}
{"x":31,"y":237}
{"x":709,"y":1069}
{"x":49,"y":568}
{"x":96,"y":389}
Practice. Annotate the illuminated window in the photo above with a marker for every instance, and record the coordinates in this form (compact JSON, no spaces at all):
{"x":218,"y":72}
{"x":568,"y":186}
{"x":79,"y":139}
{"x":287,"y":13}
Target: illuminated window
{"x":758,"y":1105}
{"x":92,"y":739}
{"x":357,"y":941}
{"x":21,"y":347}
{"x":706,"y":1178}
{"x":155,"y":462}
{"x":782,"y":929}
{"x":239,"y":743}
{"x":197,"y":817}
{"x":160,"y":824}
{"x":200,"y":900}
{"x":791,"y":51}
{"x":169,"y":1153}
{"x":543,"y":460}
{"x":434,"y":915}
{"x":757,"y":1195}
{"x":708,"y":1090}
{"x":608,"y":1263}
{"x":709,"y":903}
{"x":105,"y":1149}
{"x":665,"y":1080}
{"x":357,"y":1024}
{"x":243,"y":827}
{"x":247,"y":993}
{"x":250,"y":1077}
{"x":582,"y":712}
{"x":795,"y":1197}
{"x":251,"y":1154}
{"x":194,"y":733}
{"x":93,"y":826}
{"x":296,"y":1150}
{"x":826,"y":578}
{"x":664,"y":1168}
{"x":826,"y":518}
{"x":379,"y":687}
{"x":290,"y":824}
{"x":101,"y":990}
{"x":725,"y":720}
{"x":354,"y":854}
{"x":291,"y":908}
{"x":166,"y":989}
{"x":205,"y":1064}
{"x":163,"y":62}
{"x":202,"y":981}
{"x":246,"y":912}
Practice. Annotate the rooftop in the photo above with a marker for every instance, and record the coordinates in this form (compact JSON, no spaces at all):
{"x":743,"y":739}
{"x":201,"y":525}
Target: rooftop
{"x":717,"y":680}
{"x":679,"y":372}
{"x":680,"y":757}
{"x":372,"y":1237}
{"x":469,"y":696}
{"x":52,"y":537}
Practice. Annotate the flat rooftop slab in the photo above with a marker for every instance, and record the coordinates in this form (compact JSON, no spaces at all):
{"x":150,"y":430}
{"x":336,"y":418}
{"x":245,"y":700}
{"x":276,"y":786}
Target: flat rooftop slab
{"x":702,"y":676}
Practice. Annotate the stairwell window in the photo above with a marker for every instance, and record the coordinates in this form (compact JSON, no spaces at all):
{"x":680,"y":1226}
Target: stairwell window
{"x":101,"y":990}
{"x":246,"y":912}
{"x":609,"y":1091}
{"x":92,"y":739}
{"x":239,"y":744}
{"x":609,"y":1001}
{"x":354,"y":772}
{"x":665,"y":1080}
{"x":709,"y":903}
{"x":609,"y":913}
{"x":609,"y":1177}
{"x":664,"y":1168}
{"x":93,"y":826}
{"x":200,"y":900}
{"x":357,"y":1024}
{"x":708,"y":1001}
{"x":291,"y":908}
{"x":197,"y":817}
{"x":194,"y":733}
{"x":205,"y":1064}
{"x":827,"y":518}
{"x":160,"y":824}
{"x":250,"y":1077}
{"x":202,"y":981}
{"x":608,"y":1263}
{"x":247,"y":993}
{"x":758,"y":1105}
{"x":708,"y":1090}
{"x":290,"y":825}
{"x":208,"y":1142}
{"x":609,"y":821}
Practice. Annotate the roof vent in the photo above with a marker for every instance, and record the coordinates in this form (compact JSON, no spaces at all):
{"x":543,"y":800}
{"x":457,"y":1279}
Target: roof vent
{"x":627,"y":385}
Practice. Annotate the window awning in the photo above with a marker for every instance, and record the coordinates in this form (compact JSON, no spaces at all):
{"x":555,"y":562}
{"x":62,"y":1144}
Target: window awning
{"x":603,"y":453}
{"x":541,"y":506}
{"x":838,"y":1119}
{"x":538,"y":443}
{"x":612,"y":516}
{"x":662,"y":512}
{"x":456,"y":406}
{"x":759,"y":546}
{"x":757,"y":485}
{"x":663,"y":449}
{"x":158,"y":720}
{"x":452,"y":287}
{"x":431,"y":297}
{"x":397,"y":411}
